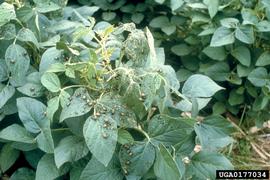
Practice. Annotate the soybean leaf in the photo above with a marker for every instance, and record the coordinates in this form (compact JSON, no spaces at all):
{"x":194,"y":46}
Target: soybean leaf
{"x":45,"y":6}
{"x":216,"y":53}
{"x":32,"y":113}
{"x":175,"y":4}
{"x":7,"y":12}
{"x":46,"y":169}
{"x":242,"y":54}
{"x":212,"y":6}
{"x":51,"y":82}
{"x":124,"y":137}
{"x":200,"y":86}
{"x":45,"y":140}
{"x":181,"y":50}
{"x":33,"y":87}
{"x":8,"y":31}
{"x":101,"y":133}
{"x":136,"y":159}
{"x":168,"y":130}
{"x":70,"y":149}
{"x":26,"y":35}
{"x":5,"y":94}
{"x":96,"y":170}
{"x":160,"y":22}
{"x":3,"y":70}
{"x":259,"y":77}
{"x":113,"y":106}
{"x":245,"y":34}
{"x":263,"y":60}
{"x":214,"y":130}
{"x":165,"y":167}
{"x":53,"y":105}
{"x":263,"y":26}
{"x":23,"y":174}
{"x":8,"y":156}
{"x":49,"y":57}
{"x":204,"y":165}
{"x":18,"y":62}
{"x":25,"y":13}
{"x":222,"y":36}
{"x":77,"y":105}
{"x":16,"y":133}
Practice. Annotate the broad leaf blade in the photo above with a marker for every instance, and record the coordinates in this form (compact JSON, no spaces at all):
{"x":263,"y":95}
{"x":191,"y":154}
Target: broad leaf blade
{"x":100,"y":135}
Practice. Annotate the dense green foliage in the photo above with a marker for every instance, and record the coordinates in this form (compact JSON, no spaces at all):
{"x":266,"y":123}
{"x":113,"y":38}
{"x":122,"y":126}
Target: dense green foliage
{"x":227,"y":40}
{"x":86,"y":100}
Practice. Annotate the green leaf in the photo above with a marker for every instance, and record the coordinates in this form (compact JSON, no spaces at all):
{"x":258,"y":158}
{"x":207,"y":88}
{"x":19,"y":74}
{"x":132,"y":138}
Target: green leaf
{"x":175,"y":4}
{"x":168,"y":130}
{"x":25,"y":13}
{"x":159,"y":22}
{"x":7,"y":13}
{"x":70,"y":149}
{"x":47,"y":6}
{"x":101,"y":133}
{"x":51,"y":82}
{"x":204,"y":165}
{"x":263,"y":26}
{"x":165,"y":167}
{"x":8,"y":31}
{"x":112,"y":105}
{"x":124,"y":137}
{"x":169,"y":29}
{"x":46,"y":169}
{"x":249,"y":16}
{"x":181,"y":50}
{"x":108,"y":16}
{"x":259,"y":77}
{"x":229,"y":22}
{"x":222,"y":36}
{"x":216,"y":53}
{"x":183,"y":74}
{"x":137,"y":17}
{"x":242,"y":54}
{"x":53,"y":105}
{"x":18,"y":62}
{"x":219,"y":108}
{"x":23,"y":174}
{"x":136,"y":159}
{"x":5,"y":94}
{"x":8,"y":156}
{"x":243,"y":71}
{"x":3,"y":70}
{"x":77,"y":105}
{"x":235,"y":98}
{"x":16,"y":133}
{"x":186,"y":145}
{"x":245,"y":34}
{"x":49,"y":57}
{"x":33,"y":87}
{"x":212,"y":6}
{"x":200,"y":86}
{"x":45,"y":141}
{"x":218,"y":71}
{"x":263,"y":60}
{"x":96,"y":170}
{"x":214,"y":131}
{"x":26,"y":35}
{"x":32,"y":113}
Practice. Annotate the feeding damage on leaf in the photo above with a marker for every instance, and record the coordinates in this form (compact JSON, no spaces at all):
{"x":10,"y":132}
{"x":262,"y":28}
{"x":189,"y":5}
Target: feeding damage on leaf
{"x":101,"y":100}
